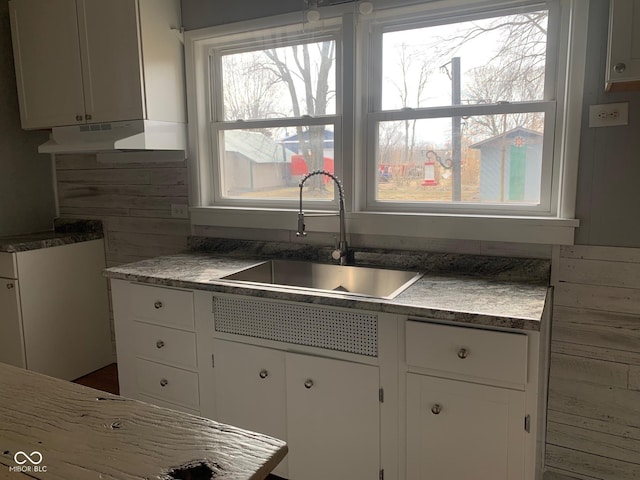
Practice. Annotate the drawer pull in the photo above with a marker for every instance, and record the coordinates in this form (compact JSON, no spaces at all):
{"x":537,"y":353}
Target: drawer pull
{"x":164,"y":382}
{"x":159,"y":344}
{"x":9,"y":286}
{"x":158,"y":305}
{"x":436,"y":409}
{"x":463,"y":353}
{"x":263,"y":373}
{"x":308,"y":383}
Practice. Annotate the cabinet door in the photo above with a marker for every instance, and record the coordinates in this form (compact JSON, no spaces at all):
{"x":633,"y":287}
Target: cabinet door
{"x":110,"y":48}
{"x":463,"y":431}
{"x":250,"y":389}
{"x":47,"y":57}
{"x":11,"y":338}
{"x":623,"y":61}
{"x":333,"y":419}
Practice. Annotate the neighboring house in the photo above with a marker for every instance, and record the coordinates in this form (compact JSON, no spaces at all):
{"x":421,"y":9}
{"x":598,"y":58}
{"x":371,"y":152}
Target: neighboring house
{"x":516,"y":158}
{"x":253,"y":161}
{"x":293,"y":143}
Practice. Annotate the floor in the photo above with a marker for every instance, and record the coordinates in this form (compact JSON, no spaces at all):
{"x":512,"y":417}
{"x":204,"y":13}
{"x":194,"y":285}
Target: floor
{"x":106,"y":379}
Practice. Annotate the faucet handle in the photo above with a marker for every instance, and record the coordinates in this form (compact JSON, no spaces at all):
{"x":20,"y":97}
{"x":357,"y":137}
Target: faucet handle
{"x":301,"y":226}
{"x":338,"y":252}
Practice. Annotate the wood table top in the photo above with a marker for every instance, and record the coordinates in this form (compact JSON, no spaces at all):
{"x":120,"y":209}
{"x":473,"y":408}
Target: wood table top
{"x":51,"y":429}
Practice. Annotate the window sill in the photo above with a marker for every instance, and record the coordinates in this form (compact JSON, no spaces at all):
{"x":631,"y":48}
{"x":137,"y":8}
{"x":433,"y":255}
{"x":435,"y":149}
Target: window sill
{"x":533,"y":230}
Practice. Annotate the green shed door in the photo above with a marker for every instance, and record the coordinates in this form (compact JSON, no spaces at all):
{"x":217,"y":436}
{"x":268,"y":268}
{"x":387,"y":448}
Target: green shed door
{"x":517,"y":170}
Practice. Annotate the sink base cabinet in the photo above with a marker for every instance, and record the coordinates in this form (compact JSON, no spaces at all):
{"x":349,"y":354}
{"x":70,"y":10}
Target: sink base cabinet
{"x":250,"y":390}
{"x":327,"y":410}
{"x":463,"y":431}
{"x":435,"y":401}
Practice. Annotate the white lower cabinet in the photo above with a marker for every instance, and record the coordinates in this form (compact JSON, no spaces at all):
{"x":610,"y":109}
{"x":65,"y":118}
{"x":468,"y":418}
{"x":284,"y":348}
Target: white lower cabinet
{"x":463,"y":431}
{"x":250,"y":390}
{"x":466,"y":403}
{"x":425,"y":401}
{"x":327,"y":410}
{"x":54,"y":310}
{"x":156,"y":345}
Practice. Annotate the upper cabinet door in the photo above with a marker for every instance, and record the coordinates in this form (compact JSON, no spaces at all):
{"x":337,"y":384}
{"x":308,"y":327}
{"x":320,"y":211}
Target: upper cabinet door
{"x":110,"y":49}
{"x":47,"y":58}
{"x":623,"y":59}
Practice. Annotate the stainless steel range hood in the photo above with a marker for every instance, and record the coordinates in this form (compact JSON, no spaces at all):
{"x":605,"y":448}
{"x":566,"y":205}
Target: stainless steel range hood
{"x":113,"y":137}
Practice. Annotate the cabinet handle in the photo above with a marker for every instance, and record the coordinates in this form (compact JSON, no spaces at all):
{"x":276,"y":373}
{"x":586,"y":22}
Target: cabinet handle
{"x":159,"y":344}
{"x":164,"y":382}
{"x":263,"y":373}
{"x":158,"y":305}
{"x":87,"y":117}
{"x":463,"y":353}
{"x":9,"y":286}
{"x":436,"y":409}
{"x":308,"y":383}
{"x":79,"y":118}
{"x":619,"y":67}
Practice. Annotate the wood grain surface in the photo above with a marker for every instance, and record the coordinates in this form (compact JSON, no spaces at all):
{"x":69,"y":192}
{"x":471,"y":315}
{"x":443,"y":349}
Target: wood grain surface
{"x":593,"y":420}
{"x":83,"y":433}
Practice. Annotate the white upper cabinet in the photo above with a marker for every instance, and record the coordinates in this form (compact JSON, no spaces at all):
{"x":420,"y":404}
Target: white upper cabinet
{"x":91,"y":61}
{"x":623,"y":58}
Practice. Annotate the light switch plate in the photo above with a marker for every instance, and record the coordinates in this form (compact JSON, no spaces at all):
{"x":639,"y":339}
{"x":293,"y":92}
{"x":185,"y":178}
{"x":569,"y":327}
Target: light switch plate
{"x":609,"y":114}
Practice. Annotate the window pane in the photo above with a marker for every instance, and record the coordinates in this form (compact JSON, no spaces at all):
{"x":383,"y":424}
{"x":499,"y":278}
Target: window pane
{"x":500,"y":159}
{"x":501,"y":59}
{"x":280,"y":82}
{"x":270,"y":163}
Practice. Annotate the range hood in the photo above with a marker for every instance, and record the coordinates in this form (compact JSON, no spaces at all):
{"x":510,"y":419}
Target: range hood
{"x":118,"y":137}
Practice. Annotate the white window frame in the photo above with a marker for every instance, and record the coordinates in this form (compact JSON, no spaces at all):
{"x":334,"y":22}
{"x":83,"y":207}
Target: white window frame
{"x":553,"y":223}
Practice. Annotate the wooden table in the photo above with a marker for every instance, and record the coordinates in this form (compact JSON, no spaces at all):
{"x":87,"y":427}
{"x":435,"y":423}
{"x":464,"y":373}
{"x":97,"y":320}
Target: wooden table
{"x":53,"y":429}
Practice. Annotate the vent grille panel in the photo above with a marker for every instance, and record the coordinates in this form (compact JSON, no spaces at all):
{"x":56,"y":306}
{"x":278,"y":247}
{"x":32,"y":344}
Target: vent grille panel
{"x":298,"y":324}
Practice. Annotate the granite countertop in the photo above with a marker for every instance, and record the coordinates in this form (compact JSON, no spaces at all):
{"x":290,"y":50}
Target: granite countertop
{"x":487,"y":297}
{"x":64,"y":233}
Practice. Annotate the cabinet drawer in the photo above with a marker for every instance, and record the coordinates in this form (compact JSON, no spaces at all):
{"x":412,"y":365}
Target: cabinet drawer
{"x":165,"y":306}
{"x":167,"y":383}
{"x":496,"y":356}
{"x":166,"y":344}
{"x":7,"y":265}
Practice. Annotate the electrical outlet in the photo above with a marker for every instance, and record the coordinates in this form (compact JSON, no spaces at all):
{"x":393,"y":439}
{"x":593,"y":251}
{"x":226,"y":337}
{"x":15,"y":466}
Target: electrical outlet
{"x":179,"y":210}
{"x":609,"y":114}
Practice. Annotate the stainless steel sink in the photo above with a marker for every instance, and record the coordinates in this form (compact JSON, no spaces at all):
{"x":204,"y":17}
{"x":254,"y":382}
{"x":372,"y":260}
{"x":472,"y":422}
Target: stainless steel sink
{"x":350,"y":280}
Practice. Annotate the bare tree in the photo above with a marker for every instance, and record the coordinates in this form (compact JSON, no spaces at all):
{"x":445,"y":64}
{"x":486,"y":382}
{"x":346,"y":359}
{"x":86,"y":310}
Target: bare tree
{"x":488,"y":86}
{"x":414,"y":67}
{"x":250,"y":90}
{"x":522,"y":44}
{"x":300,"y":71}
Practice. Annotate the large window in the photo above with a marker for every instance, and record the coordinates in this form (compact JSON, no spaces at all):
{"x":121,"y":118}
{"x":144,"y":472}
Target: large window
{"x":275,"y":102}
{"x":445,"y":110}
{"x":463,"y":113}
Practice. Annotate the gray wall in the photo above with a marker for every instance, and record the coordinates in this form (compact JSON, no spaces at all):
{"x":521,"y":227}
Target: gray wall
{"x":609,"y":172}
{"x":26,"y":187}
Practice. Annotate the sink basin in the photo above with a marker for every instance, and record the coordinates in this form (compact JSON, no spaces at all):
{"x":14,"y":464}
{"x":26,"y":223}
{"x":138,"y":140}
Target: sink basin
{"x":350,"y":280}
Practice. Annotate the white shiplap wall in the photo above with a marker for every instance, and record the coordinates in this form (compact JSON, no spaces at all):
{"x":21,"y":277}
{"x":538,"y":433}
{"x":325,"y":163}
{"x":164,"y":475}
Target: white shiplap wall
{"x":593,"y":429}
{"x":132,"y":200}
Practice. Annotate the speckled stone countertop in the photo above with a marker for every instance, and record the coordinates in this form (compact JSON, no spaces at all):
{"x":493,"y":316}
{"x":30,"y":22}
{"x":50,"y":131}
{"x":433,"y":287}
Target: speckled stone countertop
{"x":490,"y":291}
{"x":64,"y":233}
